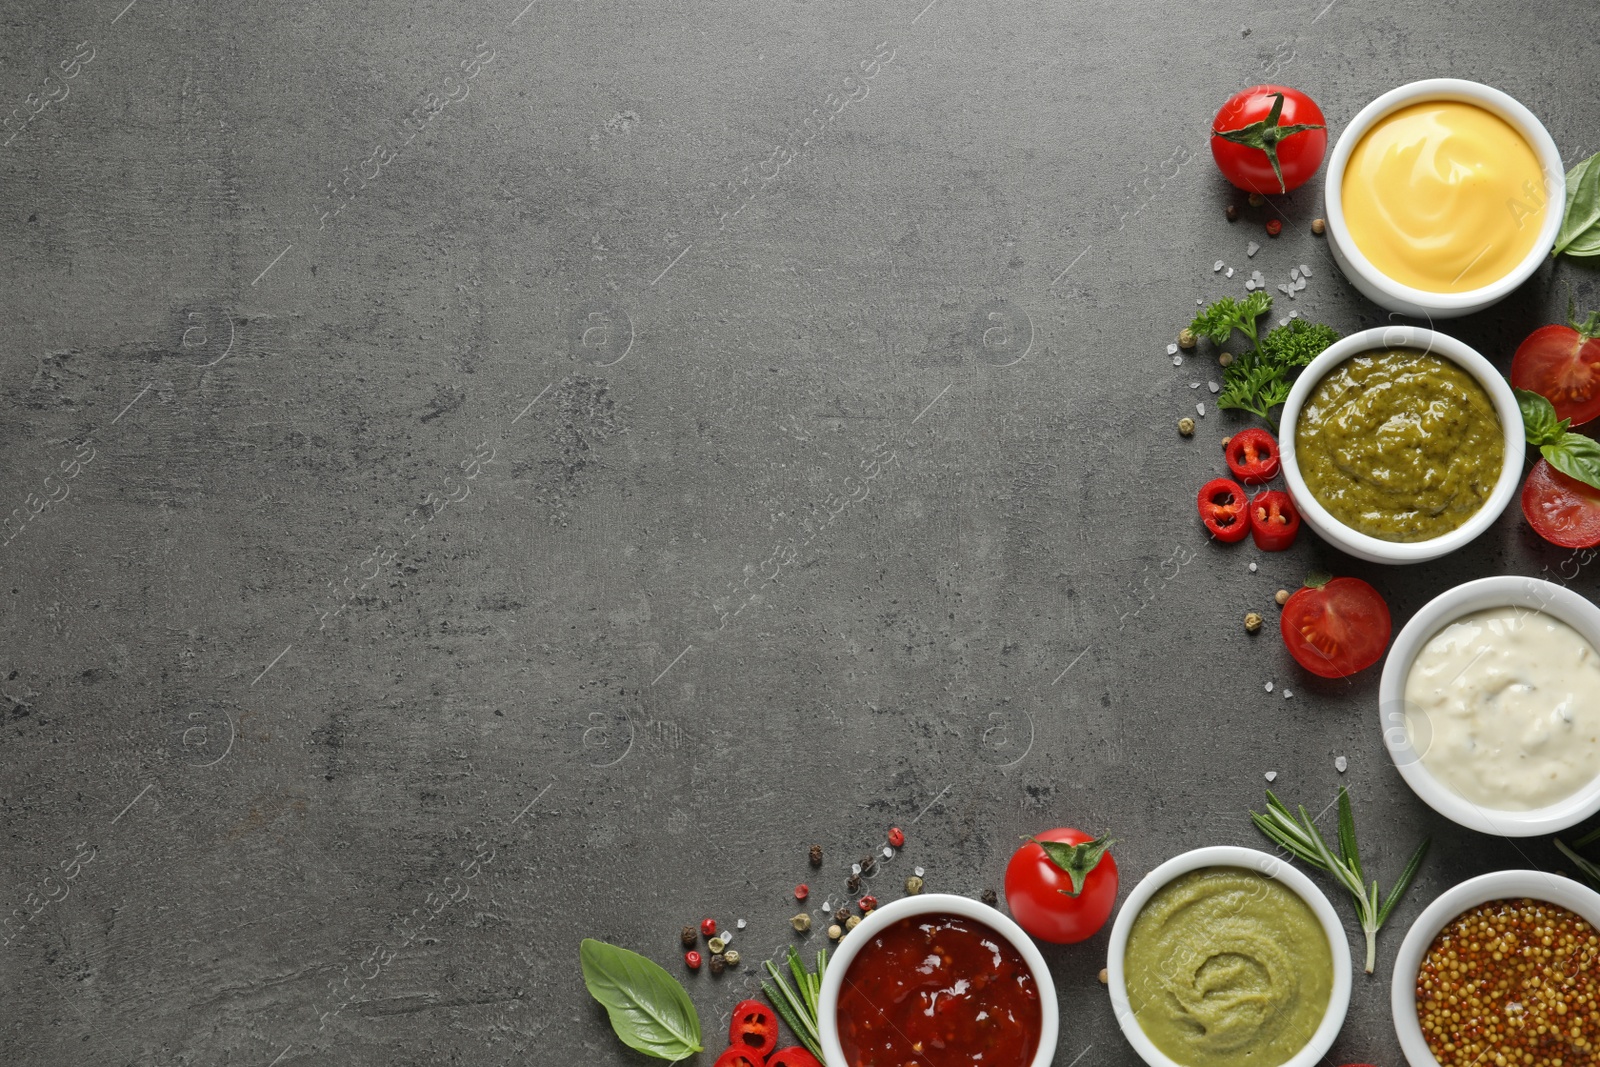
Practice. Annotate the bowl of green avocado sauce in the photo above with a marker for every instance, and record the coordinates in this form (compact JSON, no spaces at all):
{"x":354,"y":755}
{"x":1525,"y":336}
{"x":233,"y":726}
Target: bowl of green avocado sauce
{"x":1401,"y":444}
{"x":1226,"y":956}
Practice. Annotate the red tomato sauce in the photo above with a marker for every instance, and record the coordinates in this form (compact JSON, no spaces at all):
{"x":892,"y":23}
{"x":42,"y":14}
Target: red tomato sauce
{"x":937,"y":991}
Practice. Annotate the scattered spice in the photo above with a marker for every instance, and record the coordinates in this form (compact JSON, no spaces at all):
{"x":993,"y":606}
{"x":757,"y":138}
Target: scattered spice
{"x":718,"y":963}
{"x":1274,"y":227}
{"x":1105,"y":977}
{"x":1318,"y":226}
{"x":801,"y":891}
{"x":852,"y":922}
{"x":1225,"y":441}
{"x":913,"y":885}
{"x":689,"y":936}
{"x":836,"y":931}
{"x":989,"y":897}
{"x":867,"y":903}
{"x":732,"y":957}
{"x":1256,"y":200}
{"x":1225,"y":360}
{"x":717,"y":944}
{"x":1252,"y":621}
{"x":1186,"y":426}
{"x":841,"y":915}
{"x":1233,"y":212}
{"x":1281,"y":596}
{"x":897,"y":836}
{"x":708,"y":927}
{"x":1186,"y":337}
{"x":853,"y":883}
{"x":816,"y":855}
{"x":691,"y":959}
{"x":866,"y":864}
{"x":801,"y":923}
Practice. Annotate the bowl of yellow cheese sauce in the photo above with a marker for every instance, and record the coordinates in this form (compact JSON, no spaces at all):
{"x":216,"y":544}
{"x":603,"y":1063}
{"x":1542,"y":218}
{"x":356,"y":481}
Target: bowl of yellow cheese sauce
{"x":1443,"y":196}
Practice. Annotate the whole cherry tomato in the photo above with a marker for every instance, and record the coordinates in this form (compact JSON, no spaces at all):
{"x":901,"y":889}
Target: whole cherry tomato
{"x":1335,"y":627}
{"x":753,"y":1028}
{"x":1252,"y":456}
{"x":1561,"y":509}
{"x":1222,"y":508}
{"x":1562,"y":363}
{"x":1274,"y":522}
{"x":1060,"y":886}
{"x":1269,"y":139}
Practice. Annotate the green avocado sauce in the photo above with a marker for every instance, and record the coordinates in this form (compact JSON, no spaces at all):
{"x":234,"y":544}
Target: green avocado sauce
{"x":1228,"y":968}
{"x":1400,"y":445}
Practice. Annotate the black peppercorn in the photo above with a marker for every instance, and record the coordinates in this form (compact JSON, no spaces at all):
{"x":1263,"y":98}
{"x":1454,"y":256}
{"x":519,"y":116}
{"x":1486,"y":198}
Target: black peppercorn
{"x":816,"y":855}
{"x":989,"y":897}
{"x":718,"y":963}
{"x":866,"y":864}
{"x":842,"y":914}
{"x":689,"y":936}
{"x":853,"y":883}
{"x":1233,"y":212}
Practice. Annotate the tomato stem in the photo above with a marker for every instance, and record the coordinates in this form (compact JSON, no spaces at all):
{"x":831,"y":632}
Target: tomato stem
{"x":1077,"y":861}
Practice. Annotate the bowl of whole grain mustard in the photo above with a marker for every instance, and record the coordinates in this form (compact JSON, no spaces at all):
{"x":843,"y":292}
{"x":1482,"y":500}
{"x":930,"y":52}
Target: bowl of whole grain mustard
{"x":1500,"y":970}
{"x":1401,"y":444}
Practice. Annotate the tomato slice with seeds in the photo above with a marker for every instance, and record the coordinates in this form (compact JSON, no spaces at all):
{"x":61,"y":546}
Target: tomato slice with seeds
{"x":793,"y":1056}
{"x":1252,"y":456}
{"x":1561,"y":509}
{"x":1222,"y":509}
{"x":738,"y":1057}
{"x":1562,"y":364}
{"x":754,"y":1028}
{"x":1334,"y":627}
{"x":1274,"y":522}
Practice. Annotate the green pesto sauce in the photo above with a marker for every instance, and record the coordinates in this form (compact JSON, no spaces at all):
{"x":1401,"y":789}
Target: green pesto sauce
{"x":1228,"y":968}
{"x":1400,"y":445}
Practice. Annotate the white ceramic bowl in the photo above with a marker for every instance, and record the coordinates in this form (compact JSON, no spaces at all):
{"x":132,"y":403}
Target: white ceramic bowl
{"x":934,"y":904}
{"x":1375,"y":549}
{"x":1407,"y":751}
{"x":1250,"y":859}
{"x":1385,"y":291}
{"x":1500,"y":885}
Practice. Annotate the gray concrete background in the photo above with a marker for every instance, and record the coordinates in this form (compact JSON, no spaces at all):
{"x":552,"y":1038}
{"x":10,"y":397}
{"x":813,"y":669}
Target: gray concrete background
{"x":525,"y":492}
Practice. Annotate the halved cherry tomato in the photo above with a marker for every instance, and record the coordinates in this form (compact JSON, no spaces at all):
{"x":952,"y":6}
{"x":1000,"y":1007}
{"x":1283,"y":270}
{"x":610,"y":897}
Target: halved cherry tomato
{"x":1252,"y":456}
{"x":1222,"y":509}
{"x":738,"y":1057}
{"x":1274,"y":522}
{"x":1561,"y":509}
{"x":1269,"y":138}
{"x":1335,"y":627}
{"x":1562,"y":364}
{"x":793,"y":1056}
{"x":754,"y":1028}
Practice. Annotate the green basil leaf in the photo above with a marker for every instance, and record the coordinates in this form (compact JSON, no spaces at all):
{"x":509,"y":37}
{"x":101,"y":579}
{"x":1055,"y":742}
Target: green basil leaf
{"x":1580,"y":224}
{"x":1539,"y":423}
{"x":649,"y":1009}
{"x":1576,"y":456}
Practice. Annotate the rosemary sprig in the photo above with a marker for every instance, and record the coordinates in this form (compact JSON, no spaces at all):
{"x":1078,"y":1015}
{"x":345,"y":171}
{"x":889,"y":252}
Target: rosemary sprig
{"x":1585,"y":867}
{"x":1304,"y":842}
{"x":797,"y":1004}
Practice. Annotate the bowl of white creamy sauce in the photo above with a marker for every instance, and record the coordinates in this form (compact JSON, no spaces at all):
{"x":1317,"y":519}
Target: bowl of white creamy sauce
{"x":1490,"y":704}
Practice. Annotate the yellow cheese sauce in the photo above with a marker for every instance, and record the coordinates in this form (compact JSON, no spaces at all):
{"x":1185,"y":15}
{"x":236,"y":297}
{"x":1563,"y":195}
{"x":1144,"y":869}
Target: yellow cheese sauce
{"x":1443,"y":196}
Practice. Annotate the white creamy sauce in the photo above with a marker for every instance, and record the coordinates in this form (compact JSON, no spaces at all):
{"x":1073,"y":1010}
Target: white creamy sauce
{"x":1504,"y":707}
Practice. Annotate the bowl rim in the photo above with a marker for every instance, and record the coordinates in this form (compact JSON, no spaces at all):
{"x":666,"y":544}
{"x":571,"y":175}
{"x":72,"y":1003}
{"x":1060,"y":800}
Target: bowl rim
{"x":1496,"y":102}
{"x":1430,"y":342}
{"x":1322,"y":1038}
{"x":930,"y":904}
{"x":1507,"y":590}
{"x":1496,"y":885}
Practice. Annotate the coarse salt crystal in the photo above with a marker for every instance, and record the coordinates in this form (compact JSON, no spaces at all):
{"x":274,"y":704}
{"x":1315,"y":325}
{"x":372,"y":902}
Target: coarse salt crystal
{"x":1259,"y":278}
{"x":1177,"y":361}
{"x":1272,"y":776}
{"x":741,"y":924}
{"x":1287,"y":694}
{"x":1341,"y":764}
{"x":1212,"y":386}
{"x":917,"y":871}
{"x":1252,"y":568}
{"x":855,"y":868}
{"x":1269,"y":687}
{"x":1286,"y":289}
{"x":1249,"y":285}
{"x":1201,"y":408}
{"x":827,"y":905}
{"x":1294,"y":275}
{"x":888,"y":853}
{"x":1252,"y":249}
{"x":1295,"y":314}
{"x":1305,"y":270}
{"x":1194,"y":385}
{"x":1285,"y":320}
{"x":1229,"y":274}
{"x":1172,"y":350}
{"x":1216,"y":266}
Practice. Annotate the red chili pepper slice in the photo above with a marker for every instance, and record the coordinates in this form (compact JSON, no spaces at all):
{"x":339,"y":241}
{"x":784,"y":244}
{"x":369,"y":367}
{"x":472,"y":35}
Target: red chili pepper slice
{"x":1222,"y":509}
{"x":738,"y":1057}
{"x":1274,"y":521}
{"x":793,"y":1056}
{"x":1252,"y":456}
{"x":754,"y":1028}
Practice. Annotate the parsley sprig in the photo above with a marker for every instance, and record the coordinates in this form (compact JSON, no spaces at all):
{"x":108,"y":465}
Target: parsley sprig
{"x":1301,"y":839}
{"x":1218,"y":321}
{"x":1258,"y":379}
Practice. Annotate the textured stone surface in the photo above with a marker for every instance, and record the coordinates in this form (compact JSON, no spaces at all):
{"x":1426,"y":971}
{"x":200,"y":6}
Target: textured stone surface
{"x":594,"y":485}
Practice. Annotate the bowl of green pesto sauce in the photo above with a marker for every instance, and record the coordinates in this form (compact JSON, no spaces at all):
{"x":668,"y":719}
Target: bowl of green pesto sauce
{"x":1225,"y":956}
{"x":1401,"y":444}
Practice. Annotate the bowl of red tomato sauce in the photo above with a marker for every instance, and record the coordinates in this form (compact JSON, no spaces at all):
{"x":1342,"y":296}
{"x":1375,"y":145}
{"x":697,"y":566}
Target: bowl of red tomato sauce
{"x":940,"y":980}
